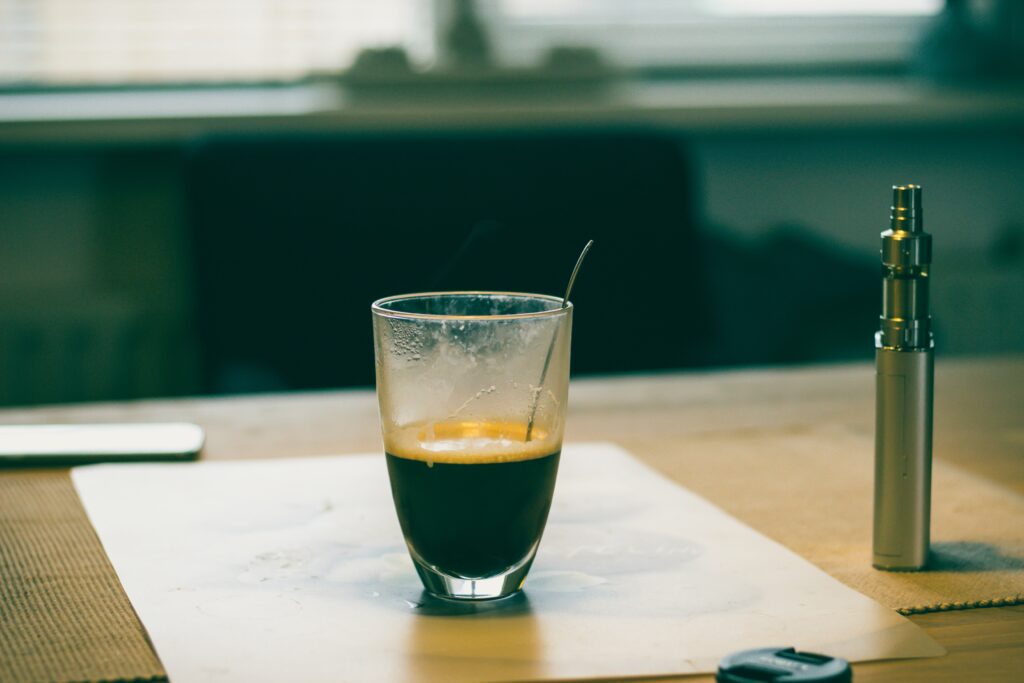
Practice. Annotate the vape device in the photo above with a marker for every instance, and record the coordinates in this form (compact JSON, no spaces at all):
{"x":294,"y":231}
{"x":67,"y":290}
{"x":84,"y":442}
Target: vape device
{"x":904,"y":366}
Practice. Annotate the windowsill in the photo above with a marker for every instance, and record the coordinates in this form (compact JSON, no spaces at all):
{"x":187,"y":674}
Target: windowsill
{"x":705,"y":105}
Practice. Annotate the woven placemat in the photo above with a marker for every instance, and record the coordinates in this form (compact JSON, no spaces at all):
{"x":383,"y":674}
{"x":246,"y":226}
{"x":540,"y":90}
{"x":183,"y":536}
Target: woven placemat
{"x":63,"y":614}
{"x":812,"y":490}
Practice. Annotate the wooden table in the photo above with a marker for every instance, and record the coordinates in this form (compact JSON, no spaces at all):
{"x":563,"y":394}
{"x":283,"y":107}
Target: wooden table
{"x":978,"y":402}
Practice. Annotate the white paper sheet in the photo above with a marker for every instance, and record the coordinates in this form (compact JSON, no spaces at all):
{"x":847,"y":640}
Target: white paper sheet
{"x":296,"y":570}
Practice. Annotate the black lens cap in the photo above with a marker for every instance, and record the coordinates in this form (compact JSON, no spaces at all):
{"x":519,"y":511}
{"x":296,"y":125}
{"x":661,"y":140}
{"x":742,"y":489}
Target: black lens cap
{"x":784,"y":665}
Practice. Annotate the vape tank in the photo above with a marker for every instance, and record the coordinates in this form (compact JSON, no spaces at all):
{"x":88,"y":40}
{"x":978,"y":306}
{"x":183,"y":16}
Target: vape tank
{"x":904,"y":365}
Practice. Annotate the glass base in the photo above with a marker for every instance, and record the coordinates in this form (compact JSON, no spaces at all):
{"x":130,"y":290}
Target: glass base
{"x":449,"y":587}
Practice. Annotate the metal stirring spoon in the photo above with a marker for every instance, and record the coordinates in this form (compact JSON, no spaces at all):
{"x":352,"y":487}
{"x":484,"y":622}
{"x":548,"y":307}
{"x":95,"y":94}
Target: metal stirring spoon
{"x":551,"y":347}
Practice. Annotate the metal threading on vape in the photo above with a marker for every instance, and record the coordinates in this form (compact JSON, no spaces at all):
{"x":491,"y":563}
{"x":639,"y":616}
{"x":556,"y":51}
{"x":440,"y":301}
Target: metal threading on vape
{"x":906,"y":257}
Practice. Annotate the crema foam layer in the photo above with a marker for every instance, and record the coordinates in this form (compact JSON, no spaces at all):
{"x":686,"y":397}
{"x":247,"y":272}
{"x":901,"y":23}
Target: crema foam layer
{"x":469,"y":443}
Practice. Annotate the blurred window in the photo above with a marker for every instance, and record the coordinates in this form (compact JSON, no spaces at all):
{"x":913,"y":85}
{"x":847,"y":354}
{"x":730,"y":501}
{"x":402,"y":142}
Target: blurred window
{"x":716,"y":33}
{"x":167,"y":41}
{"x":90,"y":42}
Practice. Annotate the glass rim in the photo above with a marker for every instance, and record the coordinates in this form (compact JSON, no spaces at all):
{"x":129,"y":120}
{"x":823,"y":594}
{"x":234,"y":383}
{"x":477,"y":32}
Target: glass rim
{"x":377,"y":307}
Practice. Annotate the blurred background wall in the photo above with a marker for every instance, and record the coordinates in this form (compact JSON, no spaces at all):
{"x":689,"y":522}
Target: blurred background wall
{"x":781,"y":169}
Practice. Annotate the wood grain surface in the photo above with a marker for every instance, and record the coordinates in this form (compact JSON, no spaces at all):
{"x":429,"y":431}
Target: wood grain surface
{"x":979,"y":431}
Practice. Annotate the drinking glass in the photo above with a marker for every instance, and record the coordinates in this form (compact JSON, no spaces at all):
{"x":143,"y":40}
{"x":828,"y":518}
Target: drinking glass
{"x":472,"y":389}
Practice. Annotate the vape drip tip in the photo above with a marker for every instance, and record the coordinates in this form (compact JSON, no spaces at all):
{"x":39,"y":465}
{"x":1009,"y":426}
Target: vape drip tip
{"x":906,"y":255}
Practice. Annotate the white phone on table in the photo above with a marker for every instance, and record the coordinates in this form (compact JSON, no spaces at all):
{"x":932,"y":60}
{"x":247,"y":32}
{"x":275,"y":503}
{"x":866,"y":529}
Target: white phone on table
{"x":78,"y":444}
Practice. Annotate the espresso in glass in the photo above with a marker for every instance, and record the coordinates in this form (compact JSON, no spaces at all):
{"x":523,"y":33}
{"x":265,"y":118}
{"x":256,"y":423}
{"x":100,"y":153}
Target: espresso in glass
{"x":472,"y":388}
{"x":473,"y":497}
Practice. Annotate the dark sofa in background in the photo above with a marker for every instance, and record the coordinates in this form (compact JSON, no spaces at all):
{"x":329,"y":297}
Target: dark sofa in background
{"x":293,"y":237}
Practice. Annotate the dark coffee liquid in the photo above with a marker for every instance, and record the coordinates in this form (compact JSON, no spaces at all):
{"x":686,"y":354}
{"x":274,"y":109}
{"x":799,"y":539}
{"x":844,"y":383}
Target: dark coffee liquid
{"x":475,"y":518}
